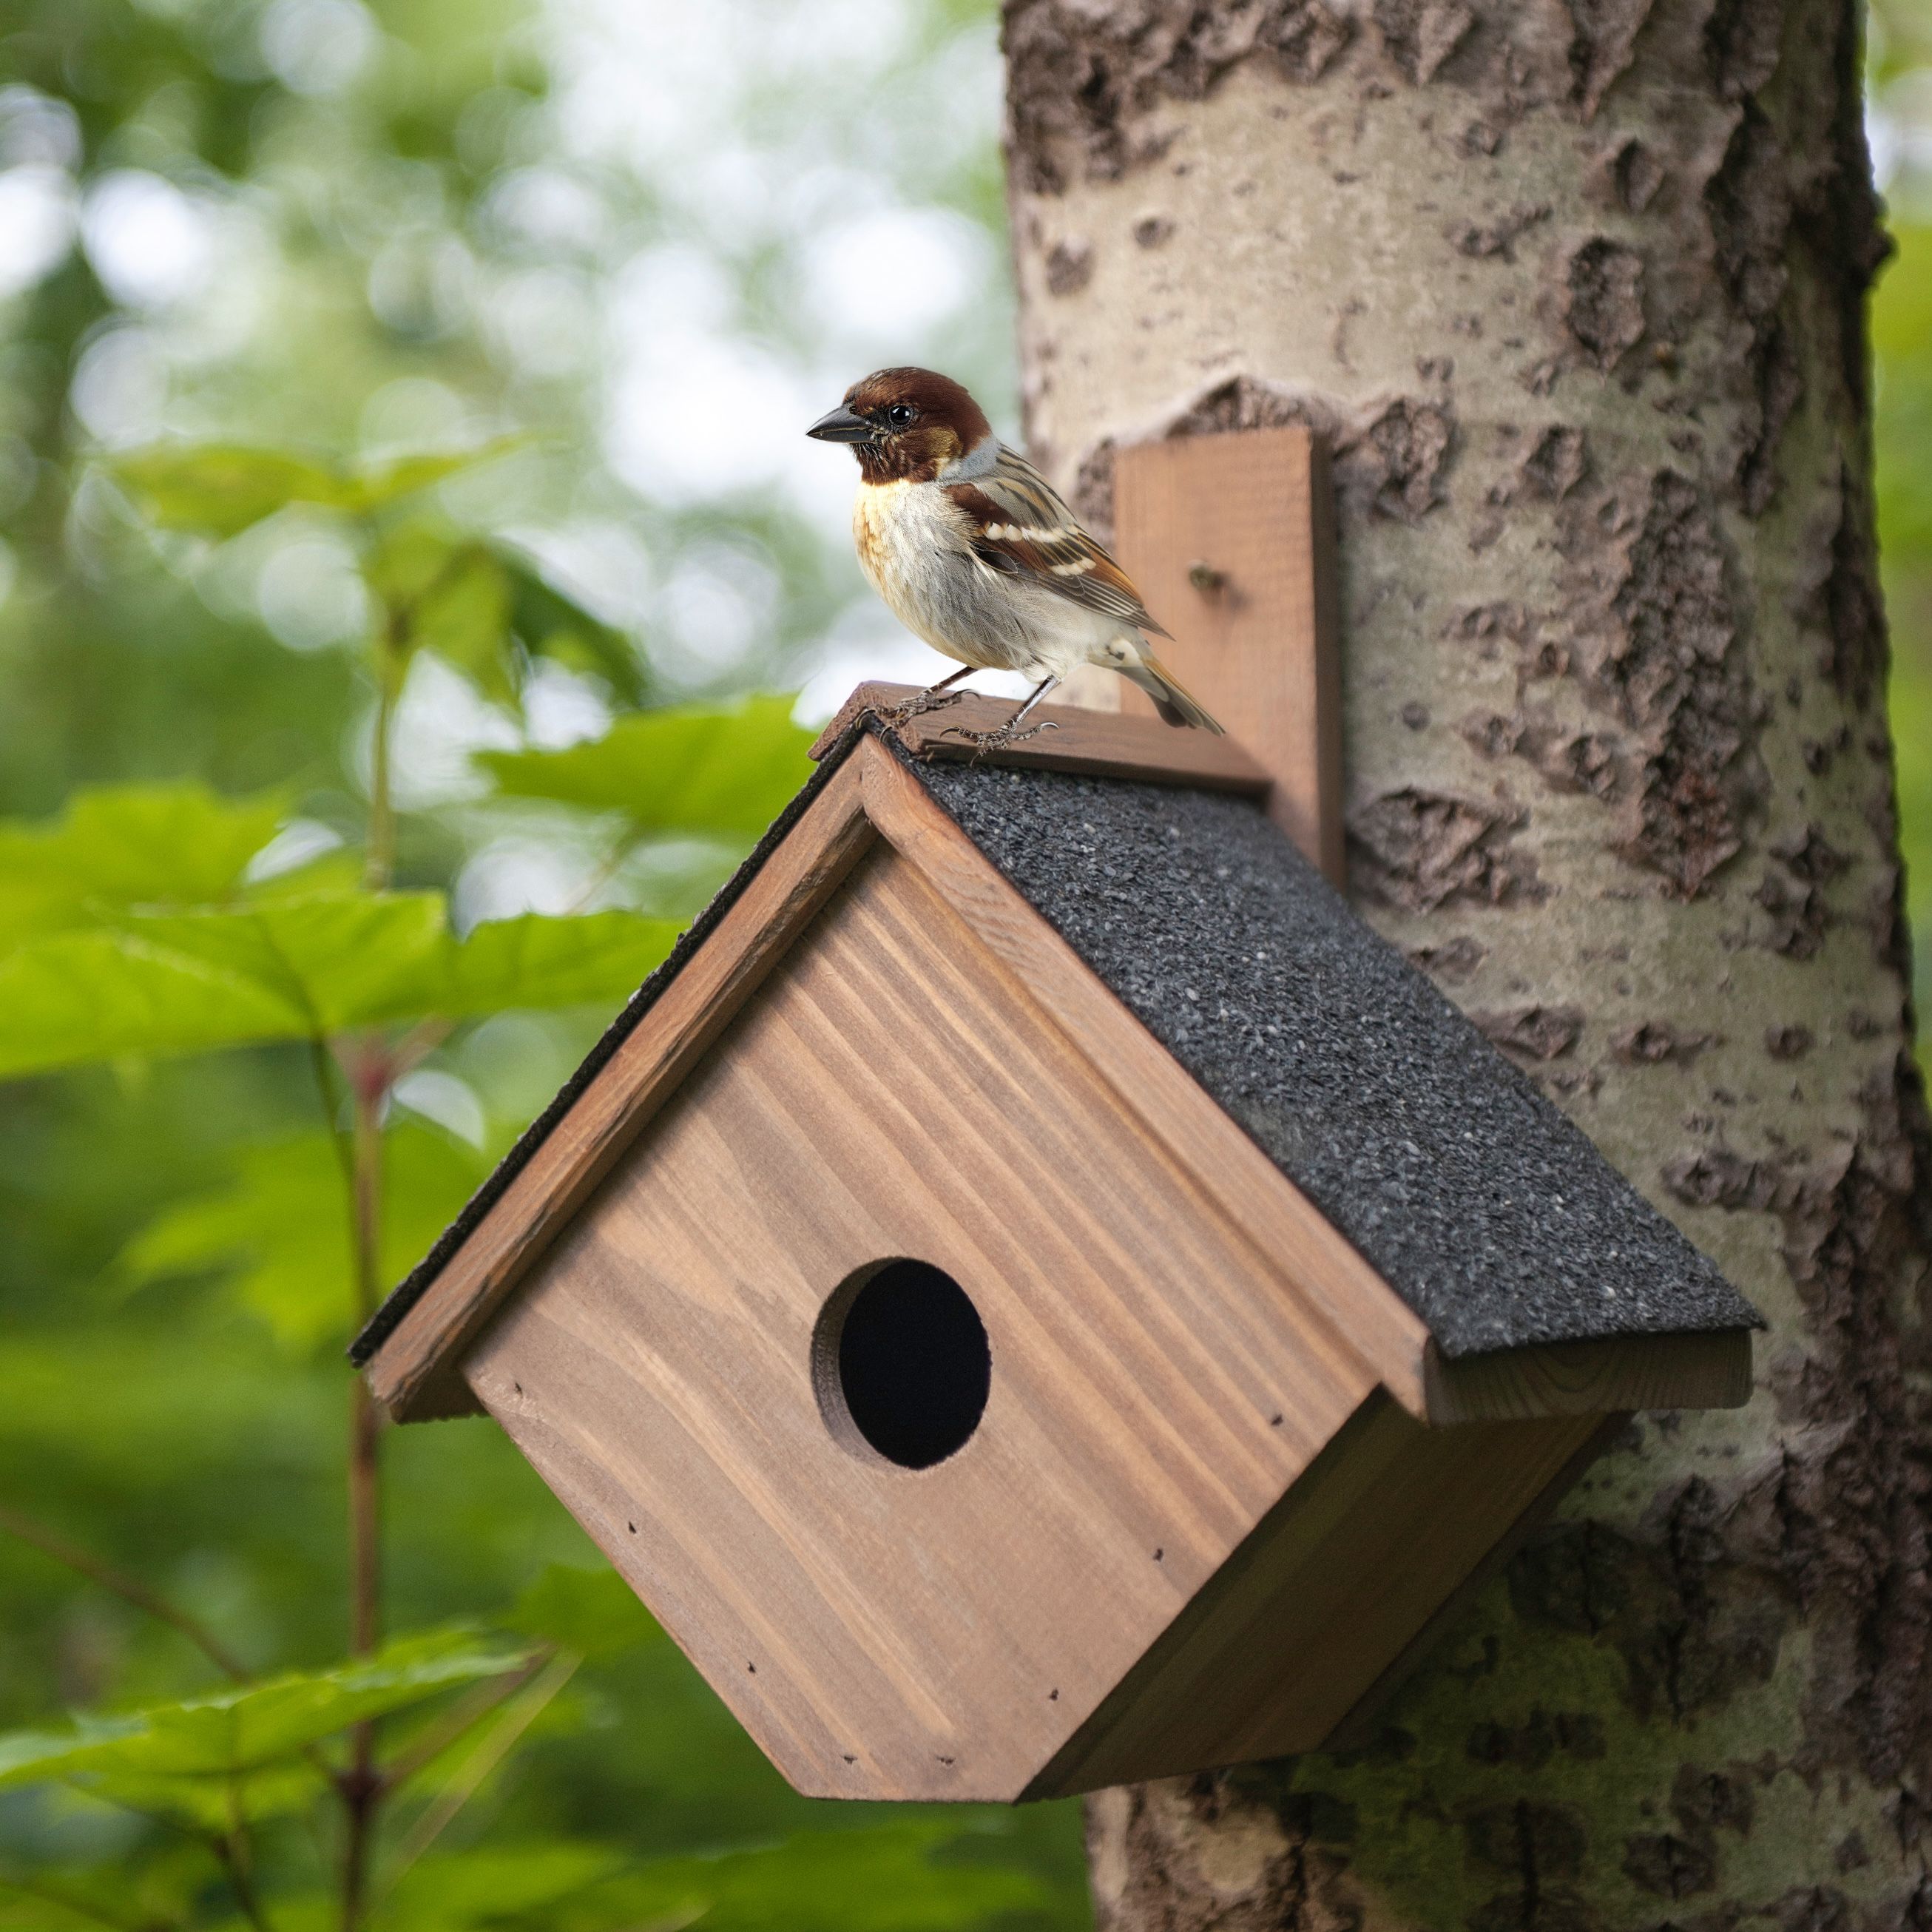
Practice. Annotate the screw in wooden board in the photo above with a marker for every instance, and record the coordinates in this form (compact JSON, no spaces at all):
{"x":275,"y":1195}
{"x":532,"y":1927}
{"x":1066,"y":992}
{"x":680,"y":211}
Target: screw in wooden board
{"x":1205,"y":578}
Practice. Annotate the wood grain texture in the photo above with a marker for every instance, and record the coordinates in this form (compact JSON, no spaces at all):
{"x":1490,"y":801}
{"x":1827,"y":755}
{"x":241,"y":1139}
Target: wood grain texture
{"x":1712,"y":1371}
{"x":1157,"y":1383}
{"x":1098,"y":744}
{"x":1259,"y":647}
{"x":1339,"y":1580}
{"x":1357,"y":1731}
{"x":1171,"y":1107}
{"x":410,"y":1373}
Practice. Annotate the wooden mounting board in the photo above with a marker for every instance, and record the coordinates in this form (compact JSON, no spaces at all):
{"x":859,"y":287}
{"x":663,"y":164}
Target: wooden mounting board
{"x":1258,"y":646}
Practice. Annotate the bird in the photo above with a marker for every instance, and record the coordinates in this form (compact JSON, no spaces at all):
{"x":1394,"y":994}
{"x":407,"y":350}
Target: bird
{"x":977,"y":554}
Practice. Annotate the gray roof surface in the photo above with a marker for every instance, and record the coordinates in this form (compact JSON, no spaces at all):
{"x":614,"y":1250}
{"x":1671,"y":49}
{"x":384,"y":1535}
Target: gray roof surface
{"x":1483,"y":1206}
{"x":1486,"y":1210}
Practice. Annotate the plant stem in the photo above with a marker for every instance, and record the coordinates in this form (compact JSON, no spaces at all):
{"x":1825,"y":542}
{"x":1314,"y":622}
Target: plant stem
{"x":378,"y":850}
{"x":235,"y":1864}
{"x":237,"y":1855}
{"x":370,"y":1072}
{"x":361,"y":1783}
{"x":71,"y":1556}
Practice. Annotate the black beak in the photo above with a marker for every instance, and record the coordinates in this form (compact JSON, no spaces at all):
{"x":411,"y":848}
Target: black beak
{"x":841,"y":425}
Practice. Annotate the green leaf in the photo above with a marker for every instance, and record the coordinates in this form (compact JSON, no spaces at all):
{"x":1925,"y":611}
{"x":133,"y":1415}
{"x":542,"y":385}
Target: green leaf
{"x":549,"y":622}
{"x":219,"y":489}
{"x":53,"y":1897}
{"x":887,"y":1878}
{"x":189,"y":982}
{"x":285,"y":1790}
{"x":81,"y":998}
{"x":694,"y":772}
{"x":378,"y":485}
{"x":884,"y":1880}
{"x":444,"y":591}
{"x":494,"y":1885}
{"x":537,"y":961}
{"x":298,"y":968}
{"x":592,"y":1612}
{"x":486,"y":607}
{"x":281,"y":1225}
{"x":254,"y":1726}
{"x":122,"y":846}
{"x":464,"y":617}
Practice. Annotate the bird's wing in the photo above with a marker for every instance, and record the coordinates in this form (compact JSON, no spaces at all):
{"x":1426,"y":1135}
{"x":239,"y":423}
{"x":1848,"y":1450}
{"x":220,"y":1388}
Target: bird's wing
{"x":1022,"y":527}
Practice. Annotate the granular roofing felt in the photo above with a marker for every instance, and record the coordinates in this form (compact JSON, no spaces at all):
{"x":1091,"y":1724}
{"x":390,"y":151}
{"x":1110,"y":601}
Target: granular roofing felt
{"x":1483,"y":1207}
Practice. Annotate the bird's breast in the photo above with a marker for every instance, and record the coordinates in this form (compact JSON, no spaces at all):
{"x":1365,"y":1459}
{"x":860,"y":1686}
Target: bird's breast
{"x":900,"y":527}
{"x":916,"y":544}
{"x":910,"y":539}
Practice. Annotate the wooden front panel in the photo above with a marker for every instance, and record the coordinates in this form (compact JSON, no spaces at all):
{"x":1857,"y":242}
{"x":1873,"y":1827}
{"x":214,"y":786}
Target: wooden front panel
{"x":882,"y":1632}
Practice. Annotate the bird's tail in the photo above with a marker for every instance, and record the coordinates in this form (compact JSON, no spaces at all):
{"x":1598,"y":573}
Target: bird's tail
{"x":1171,"y":699}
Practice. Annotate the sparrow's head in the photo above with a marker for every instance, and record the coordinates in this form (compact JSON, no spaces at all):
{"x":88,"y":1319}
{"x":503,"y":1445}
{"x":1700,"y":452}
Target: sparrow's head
{"x":906,"y":423}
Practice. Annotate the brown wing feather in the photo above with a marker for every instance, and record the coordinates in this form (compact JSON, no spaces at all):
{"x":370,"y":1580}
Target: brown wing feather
{"x":1023,"y":527}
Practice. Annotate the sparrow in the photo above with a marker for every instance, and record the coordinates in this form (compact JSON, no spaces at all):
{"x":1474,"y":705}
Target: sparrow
{"x":975,"y":552}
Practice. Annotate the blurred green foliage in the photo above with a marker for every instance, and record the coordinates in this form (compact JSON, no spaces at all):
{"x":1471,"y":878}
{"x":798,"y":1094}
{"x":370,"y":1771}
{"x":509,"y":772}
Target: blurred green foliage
{"x":296,"y":522}
{"x":374,"y":716}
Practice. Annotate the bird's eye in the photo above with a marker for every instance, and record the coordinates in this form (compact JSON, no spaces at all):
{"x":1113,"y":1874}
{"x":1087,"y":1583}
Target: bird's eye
{"x":900,"y":414}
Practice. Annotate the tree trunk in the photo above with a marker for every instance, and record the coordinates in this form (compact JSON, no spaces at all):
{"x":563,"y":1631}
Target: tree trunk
{"x":1577,"y":293}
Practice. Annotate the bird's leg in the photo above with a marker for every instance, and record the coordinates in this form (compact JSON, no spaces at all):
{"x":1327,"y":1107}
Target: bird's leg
{"x":928,"y":700}
{"x":1009,"y":733}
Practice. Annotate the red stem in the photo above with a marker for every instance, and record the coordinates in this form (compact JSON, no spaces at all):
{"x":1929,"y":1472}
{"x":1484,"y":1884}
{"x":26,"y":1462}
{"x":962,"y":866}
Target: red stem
{"x":361,"y":1783}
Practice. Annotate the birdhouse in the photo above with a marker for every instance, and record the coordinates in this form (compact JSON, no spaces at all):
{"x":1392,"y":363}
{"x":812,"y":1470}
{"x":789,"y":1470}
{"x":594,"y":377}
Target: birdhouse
{"x":1034,"y":1293}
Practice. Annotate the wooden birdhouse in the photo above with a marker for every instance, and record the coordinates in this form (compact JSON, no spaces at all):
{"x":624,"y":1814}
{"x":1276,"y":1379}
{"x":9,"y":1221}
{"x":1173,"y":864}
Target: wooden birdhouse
{"x":1034,"y":1293}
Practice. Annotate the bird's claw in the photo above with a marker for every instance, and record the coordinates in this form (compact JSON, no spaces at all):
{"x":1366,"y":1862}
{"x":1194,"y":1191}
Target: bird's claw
{"x":898,"y":716}
{"x":1001,"y":739}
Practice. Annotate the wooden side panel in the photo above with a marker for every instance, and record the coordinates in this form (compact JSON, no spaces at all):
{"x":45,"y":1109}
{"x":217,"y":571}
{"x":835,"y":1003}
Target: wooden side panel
{"x":1156,"y":1385}
{"x":1329,"y":1592}
{"x":1230,"y":540}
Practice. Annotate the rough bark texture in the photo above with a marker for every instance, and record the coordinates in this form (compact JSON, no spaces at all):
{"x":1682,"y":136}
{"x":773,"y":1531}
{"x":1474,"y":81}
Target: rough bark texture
{"x":1576,"y":289}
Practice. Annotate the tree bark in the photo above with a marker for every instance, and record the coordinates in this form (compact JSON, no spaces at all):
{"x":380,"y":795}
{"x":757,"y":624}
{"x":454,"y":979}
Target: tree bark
{"x":1576,"y":289}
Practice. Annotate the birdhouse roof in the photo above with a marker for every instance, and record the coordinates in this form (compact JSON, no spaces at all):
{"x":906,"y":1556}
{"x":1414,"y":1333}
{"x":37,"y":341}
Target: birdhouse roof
{"x":1488,"y":1212}
{"x":1481,"y":1204}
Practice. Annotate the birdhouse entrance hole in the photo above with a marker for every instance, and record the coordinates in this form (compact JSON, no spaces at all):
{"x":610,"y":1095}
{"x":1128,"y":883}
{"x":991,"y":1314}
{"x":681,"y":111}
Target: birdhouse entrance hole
{"x":901,"y":1364}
